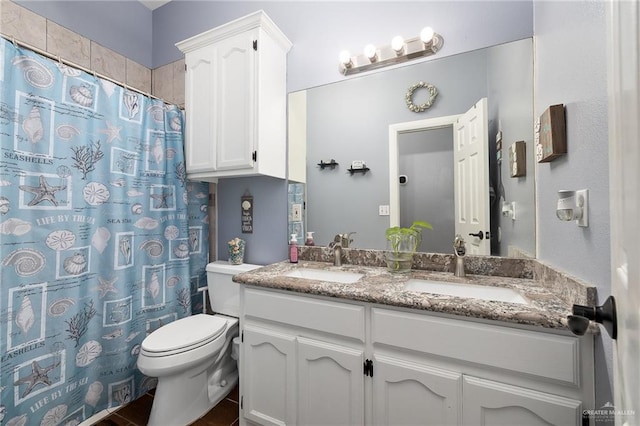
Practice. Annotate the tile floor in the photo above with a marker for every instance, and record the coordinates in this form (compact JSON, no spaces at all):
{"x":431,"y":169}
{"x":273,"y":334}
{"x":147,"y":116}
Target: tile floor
{"x":137,"y":413}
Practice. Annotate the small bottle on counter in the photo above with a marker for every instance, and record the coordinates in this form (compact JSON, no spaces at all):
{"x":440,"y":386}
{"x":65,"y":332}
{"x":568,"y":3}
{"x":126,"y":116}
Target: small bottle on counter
{"x":309,"y":240}
{"x":293,"y":249}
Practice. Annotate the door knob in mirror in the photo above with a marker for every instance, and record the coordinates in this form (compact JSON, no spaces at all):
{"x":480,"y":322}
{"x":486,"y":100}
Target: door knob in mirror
{"x":478,"y":234}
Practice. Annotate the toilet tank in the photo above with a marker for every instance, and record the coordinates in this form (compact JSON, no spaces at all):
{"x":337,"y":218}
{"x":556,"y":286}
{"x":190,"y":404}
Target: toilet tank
{"x":224,"y":294}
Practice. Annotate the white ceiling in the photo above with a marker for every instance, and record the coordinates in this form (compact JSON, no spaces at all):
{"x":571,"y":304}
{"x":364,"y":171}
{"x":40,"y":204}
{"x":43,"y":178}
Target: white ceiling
{"x":154,"y":4}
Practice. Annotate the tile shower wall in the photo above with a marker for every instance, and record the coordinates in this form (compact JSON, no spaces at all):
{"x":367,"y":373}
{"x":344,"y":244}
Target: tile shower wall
{"x":33,"y":29}
{"x":166,"y":82}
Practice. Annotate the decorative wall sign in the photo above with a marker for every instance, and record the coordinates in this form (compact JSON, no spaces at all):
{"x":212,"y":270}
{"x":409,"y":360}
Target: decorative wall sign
{"x":552,"y":136}
{"x":433,"y":92}
{"x":247,"y":213}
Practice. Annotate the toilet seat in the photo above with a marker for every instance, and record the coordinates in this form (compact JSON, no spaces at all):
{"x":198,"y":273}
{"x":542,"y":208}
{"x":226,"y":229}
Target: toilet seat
{"x":184,"y":335}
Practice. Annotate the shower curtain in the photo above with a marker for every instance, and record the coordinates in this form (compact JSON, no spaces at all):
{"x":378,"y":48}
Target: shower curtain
{"x":102,"y":238}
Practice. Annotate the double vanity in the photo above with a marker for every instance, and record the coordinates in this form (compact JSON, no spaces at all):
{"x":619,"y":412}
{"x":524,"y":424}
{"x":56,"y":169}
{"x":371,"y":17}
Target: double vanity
{"x":357,"y":344}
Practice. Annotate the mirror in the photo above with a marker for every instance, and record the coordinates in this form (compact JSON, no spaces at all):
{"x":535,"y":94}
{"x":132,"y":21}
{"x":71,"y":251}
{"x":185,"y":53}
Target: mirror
{"x":349,"y":121}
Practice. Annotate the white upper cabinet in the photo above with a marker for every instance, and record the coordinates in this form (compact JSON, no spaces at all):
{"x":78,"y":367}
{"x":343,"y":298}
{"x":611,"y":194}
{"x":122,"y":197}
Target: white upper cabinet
{"x":236,"y":100}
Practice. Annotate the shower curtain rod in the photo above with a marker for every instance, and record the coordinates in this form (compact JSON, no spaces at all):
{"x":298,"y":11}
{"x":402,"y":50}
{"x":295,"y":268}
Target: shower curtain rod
{"x":74,"y":65}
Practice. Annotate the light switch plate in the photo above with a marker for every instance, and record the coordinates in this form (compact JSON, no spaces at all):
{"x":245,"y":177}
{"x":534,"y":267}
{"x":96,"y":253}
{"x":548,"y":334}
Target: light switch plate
{"x":383,"y":210}
{"x":296,"y":212}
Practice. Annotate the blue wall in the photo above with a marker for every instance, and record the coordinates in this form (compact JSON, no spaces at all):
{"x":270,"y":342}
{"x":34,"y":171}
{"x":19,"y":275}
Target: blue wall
{"x":571,"y":69}
{"x":320,"y":30}
{"x":268,"y":242}
{"x":122,"y":26}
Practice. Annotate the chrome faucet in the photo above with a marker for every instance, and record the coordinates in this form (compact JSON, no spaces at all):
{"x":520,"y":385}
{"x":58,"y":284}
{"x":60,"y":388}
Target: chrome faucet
{"x":337,"y":254}
{"x":344,"y":239}
{"x":459,"y":250}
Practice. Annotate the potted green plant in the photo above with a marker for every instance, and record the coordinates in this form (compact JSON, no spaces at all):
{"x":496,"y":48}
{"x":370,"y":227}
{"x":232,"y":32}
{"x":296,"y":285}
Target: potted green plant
{"x":402,"y":243}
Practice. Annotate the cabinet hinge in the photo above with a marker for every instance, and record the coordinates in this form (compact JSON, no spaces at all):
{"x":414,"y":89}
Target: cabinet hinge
{"x":242,"y":337}
{"x":254,"y":156}
{"x":241,"y":401}
{"x":255,"y":45}
{"x":368,"y":368}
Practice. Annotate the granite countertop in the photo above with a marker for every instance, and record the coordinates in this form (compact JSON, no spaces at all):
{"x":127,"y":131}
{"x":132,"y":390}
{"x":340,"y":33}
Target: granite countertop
{"x":545,"y":309}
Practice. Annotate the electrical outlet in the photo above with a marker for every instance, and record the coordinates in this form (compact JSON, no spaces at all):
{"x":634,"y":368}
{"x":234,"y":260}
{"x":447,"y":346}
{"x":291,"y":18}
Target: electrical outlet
{"x":383,"y":210}
{"x":296,"y":212}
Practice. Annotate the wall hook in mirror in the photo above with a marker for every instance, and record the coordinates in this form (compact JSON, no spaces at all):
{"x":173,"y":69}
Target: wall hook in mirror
{"x":331,"y":163}
{"x":358,"y":166}
{"x":605,"y":315}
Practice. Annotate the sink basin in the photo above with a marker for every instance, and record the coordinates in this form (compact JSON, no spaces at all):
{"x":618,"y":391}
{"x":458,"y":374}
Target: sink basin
{"x":497,"y":294}
{"x":324,"y":275}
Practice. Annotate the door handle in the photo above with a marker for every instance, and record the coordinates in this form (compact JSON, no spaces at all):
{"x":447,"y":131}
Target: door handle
{"x":605,"y":315}
{"x":479,"y":235}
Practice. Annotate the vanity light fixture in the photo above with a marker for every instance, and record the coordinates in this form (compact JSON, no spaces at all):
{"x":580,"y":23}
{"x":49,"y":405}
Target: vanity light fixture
{"x":574,"y":205}
{"x":400,"y":50}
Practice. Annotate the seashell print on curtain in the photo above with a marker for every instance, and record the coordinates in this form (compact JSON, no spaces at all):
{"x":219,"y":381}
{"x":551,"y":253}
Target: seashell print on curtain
{"x":102,"y":238}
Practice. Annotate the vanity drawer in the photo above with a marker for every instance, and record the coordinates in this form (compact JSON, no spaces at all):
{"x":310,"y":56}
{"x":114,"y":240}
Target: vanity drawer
{"x":547,"y":356}
{"x":337,"y":318}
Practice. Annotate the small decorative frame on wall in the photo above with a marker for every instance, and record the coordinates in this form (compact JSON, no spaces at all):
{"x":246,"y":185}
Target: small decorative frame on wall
{"x":247,"y":213}
{"x":517,"y":159}
{"x":551,"y":134}
{"x":433,"y":92}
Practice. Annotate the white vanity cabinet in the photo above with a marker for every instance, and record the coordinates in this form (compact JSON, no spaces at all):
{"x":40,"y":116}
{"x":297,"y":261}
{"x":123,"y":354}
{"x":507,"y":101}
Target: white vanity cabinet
{"x":410,"y":393}
{"x":301,"y":360}
{"x":330,"y":383}
{"x":469,"y":373}
{"x":235,"y":100}
{"x":493,"y":403}
{"x":313,"y":360}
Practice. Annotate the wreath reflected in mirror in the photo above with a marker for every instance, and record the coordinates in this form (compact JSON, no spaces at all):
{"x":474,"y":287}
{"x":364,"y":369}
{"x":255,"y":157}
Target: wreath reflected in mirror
{"x":433,"y":92}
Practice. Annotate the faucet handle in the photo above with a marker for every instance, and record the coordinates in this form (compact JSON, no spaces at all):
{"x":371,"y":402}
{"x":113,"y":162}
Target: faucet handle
{"x":346,"y":239}
{"x":459,"y":248}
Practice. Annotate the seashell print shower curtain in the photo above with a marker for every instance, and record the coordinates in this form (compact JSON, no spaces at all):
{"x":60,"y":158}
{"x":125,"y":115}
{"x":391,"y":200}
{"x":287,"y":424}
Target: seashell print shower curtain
{"x":102,"y":238}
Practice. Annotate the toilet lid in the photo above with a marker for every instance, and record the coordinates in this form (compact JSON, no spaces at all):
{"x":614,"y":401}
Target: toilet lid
{"x":185,"y":333}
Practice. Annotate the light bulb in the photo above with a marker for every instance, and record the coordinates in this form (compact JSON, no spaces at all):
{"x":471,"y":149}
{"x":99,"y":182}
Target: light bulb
{"x":370,"y":52}
{"x":426,"y":35}
{"x":345,"y":58}
{"x":397,"y":44}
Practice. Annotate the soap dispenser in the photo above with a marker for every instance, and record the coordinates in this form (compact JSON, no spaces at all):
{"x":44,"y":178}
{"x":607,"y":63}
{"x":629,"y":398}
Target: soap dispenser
{"x":309,"y":240}
{"x":293,"y":249}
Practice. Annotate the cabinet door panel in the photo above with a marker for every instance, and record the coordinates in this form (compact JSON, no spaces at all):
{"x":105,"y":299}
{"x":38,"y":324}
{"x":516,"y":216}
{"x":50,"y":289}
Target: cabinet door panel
{"x":200,"y":151}
{"x":330,"y":383}
{"x":235,"y":110}
{"x":269,"y":377}
{"x":406,"y":393}
{"x":493,"y":403}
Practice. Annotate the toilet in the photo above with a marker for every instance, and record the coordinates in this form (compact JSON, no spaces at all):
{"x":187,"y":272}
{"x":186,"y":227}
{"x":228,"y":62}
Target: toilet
{"x":192,"y":357}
